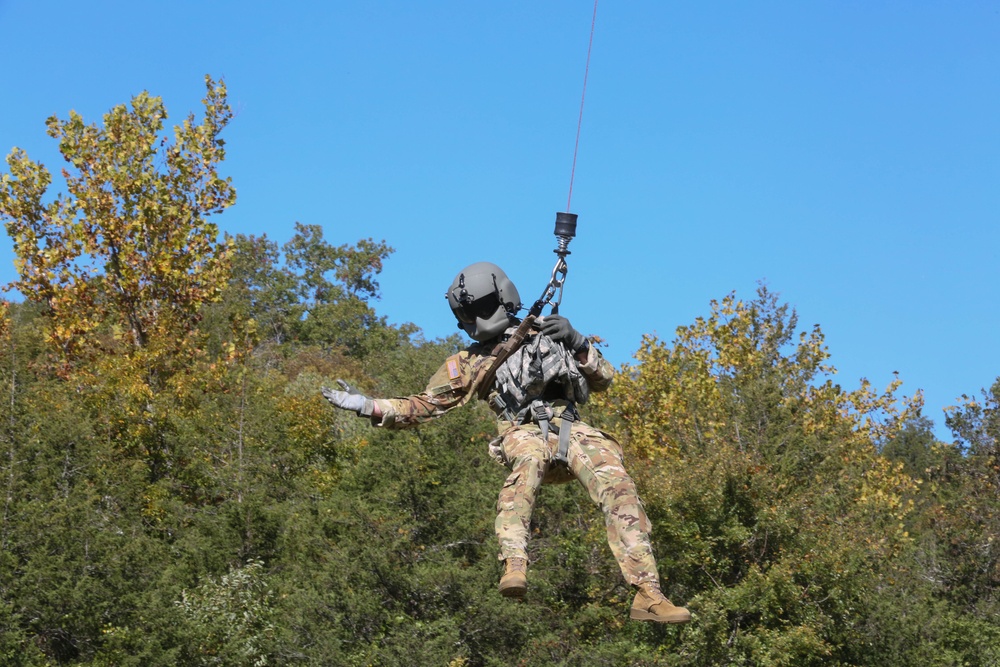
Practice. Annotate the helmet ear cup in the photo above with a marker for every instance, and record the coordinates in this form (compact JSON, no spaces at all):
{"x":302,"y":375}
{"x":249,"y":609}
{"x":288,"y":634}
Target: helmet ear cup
{"x":483,"y":300}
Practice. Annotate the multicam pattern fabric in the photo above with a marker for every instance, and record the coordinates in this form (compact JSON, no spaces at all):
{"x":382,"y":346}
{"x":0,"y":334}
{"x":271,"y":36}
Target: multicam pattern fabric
{"x":595,"y":458}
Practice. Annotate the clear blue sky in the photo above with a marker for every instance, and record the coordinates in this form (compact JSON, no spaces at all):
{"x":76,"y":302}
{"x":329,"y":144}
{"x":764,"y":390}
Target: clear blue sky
{"x":846,"y":152}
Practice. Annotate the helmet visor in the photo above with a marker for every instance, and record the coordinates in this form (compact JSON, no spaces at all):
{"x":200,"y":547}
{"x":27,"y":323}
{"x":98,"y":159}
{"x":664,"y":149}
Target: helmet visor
{"x":481,"y":308}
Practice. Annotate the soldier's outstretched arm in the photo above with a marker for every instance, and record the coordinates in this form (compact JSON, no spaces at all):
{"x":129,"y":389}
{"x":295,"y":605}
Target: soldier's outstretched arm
{"x":449,"y":388}
{"x":348,"y":398}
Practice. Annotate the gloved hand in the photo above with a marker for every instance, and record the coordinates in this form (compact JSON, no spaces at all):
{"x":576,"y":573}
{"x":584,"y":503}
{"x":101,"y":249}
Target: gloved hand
{"x":349,"y":399}
{"x":558,"y":328}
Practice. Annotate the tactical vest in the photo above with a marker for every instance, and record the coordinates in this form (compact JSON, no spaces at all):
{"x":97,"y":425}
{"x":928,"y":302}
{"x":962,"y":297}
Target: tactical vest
{"x":531,"y":378}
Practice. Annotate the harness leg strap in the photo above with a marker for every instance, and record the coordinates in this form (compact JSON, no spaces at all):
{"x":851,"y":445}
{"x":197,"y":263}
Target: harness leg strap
{"x":541,"y":412}
{"x":564,"y":430}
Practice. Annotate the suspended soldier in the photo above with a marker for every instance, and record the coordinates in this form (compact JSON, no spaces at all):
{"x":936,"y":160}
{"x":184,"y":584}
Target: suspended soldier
{"x":534,"y":392}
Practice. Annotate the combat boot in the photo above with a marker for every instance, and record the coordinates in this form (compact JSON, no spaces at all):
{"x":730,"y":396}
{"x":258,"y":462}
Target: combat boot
{"x":514,"y":582}
{"x":651,"y":605}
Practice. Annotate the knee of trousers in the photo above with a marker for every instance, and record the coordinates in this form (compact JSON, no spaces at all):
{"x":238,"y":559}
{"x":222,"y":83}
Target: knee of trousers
{"x":518,"y":492}
{"x":529,"y":470}
{"x":625,"y":512}
{"x":621,"y":492}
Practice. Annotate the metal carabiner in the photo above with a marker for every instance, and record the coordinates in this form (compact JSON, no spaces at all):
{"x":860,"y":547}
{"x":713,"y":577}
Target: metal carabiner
{"x":556,"y":283}
{"x":565,"y":231}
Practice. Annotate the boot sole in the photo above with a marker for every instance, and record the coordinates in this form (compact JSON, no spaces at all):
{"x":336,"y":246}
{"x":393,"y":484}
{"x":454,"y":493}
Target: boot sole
{"x":640,"y":615}
{"x":516,"y":592}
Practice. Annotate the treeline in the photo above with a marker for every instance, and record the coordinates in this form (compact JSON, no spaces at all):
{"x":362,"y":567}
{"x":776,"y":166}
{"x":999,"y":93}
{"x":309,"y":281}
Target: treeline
{"x":176,"y":491}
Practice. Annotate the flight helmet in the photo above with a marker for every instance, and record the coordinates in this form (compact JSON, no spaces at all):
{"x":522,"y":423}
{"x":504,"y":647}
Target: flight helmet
{"x":484,"y":300}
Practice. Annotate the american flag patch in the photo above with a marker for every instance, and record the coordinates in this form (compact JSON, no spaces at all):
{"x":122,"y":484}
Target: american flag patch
{"x":453,"y":369}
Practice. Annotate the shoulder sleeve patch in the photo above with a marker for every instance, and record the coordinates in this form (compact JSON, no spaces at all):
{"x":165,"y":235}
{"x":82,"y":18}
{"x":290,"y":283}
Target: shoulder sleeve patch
{"x":453,"y":371}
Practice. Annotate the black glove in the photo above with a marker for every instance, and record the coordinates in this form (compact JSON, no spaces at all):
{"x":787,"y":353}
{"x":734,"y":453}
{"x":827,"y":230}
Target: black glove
{"x":558,"y":328}
{"x":349,"y":399}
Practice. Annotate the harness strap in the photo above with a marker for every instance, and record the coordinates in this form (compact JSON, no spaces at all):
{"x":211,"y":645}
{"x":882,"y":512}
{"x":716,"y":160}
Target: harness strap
{"x":565,"y":427}
{"x":541,"y":413}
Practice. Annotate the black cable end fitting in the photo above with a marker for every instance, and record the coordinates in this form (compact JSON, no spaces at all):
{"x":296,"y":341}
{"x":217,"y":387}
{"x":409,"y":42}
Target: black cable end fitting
{"x":565,"y":225}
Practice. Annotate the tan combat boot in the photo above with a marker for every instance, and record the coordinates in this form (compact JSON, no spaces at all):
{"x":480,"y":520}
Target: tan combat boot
{"x":514,"y":582}
{"x":651,"y":605}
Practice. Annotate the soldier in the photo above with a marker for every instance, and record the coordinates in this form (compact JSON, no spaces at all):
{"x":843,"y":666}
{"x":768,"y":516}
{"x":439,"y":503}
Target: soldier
{"x":541,"y":439}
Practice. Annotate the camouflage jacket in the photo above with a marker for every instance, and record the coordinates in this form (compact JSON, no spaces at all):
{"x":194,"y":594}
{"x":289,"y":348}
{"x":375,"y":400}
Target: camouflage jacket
{"x":455,"y":384}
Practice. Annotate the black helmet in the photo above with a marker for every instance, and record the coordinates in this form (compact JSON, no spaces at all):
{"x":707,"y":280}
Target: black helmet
{"x":484,"y":300}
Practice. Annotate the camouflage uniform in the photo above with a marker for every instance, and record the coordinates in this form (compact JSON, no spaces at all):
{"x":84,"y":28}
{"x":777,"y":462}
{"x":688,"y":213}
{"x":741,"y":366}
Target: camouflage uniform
{"x":594,"y":458}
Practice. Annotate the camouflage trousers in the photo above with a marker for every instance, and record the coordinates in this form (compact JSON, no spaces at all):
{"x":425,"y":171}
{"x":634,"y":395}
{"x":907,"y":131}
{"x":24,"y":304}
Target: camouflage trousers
{"x":595,"y":460}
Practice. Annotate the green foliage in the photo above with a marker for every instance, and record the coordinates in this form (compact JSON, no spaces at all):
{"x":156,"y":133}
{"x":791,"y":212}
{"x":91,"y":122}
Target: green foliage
{"x":335,"y":312}
{"x":787,"y":512}
{"x":965,"y":508}
{"x":232,"y":618}
{"x":778,"y":517}
{"x":914,"y":447}
{"x":260,"y":290}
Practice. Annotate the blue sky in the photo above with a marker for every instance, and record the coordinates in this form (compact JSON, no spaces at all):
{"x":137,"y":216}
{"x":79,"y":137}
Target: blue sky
{"x":847,"y":153}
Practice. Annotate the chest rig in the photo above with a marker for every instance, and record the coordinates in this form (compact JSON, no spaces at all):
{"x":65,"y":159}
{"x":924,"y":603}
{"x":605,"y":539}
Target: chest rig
{"x":538,"y":382}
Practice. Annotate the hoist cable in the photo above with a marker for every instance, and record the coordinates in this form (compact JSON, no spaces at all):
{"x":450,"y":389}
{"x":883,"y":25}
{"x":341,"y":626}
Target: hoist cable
{"x":583,"y":97}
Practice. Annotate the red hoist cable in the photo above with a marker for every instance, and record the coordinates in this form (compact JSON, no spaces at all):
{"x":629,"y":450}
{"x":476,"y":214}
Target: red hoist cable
{"x":565,"y":221}
{"x":583,"y":97}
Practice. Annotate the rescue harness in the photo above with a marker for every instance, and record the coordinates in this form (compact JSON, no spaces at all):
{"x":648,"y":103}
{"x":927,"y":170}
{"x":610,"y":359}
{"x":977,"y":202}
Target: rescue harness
{"x":531,"y":379}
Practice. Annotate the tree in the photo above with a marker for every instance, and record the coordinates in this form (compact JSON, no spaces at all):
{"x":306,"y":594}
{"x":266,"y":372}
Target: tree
{"x":232,"y":618}
{"x":966,"y":519}
{"x":335,"y":286}
{"x":776,"y":517}
{"x":128,"y":251}
{"x":261,"y":298}
{"x":976,"y":425}
{"x":914,"y":446}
